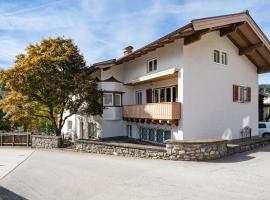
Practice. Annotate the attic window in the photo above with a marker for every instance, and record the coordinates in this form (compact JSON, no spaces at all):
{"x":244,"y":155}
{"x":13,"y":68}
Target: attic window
{"x":216,"y":56}
{"x":220,"y":57}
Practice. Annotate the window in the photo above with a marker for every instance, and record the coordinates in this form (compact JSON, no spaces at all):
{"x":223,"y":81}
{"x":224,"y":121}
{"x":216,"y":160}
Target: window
{"x":108,"y":99}
{"x":117,"y":100}
{"x":241,"y":94}
{"x":216,"y":56}
{"x":112,"y":99}
{"x":151,"y":135}
{"x":152,"y":65}
{"x":224,"y":59}
{"x":220,"y":57}
{"x":144,"y":134}
{"x":69,"y":125}
{"x":167,"y":135}
{"x":129,"y":130}
{"x":154,"y":135}
{"x":162,"y":94}
{"x":160,"y":138}
{"x":139,"y":97}
{"x":167,"y":94}
{"x":156,"y":93}
{"x":92,"y":130}
{"x":262,"y":126}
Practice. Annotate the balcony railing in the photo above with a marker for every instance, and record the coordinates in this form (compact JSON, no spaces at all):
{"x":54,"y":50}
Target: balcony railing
{"x":169,"y":111}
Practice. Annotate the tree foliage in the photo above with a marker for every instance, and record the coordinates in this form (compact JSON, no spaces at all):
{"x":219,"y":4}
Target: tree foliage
{"x":48,"y":80}
{"x":265,"y":88}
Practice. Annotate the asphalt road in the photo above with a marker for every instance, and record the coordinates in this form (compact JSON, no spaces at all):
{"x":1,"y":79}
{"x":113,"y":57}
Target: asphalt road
{"x":63,"y":175}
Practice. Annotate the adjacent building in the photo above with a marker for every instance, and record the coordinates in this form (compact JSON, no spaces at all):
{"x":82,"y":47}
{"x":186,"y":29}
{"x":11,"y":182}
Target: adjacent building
{"x":198,"y":82}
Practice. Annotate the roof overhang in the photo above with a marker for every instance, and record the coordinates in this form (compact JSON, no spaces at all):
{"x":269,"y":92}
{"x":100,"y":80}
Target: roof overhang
{"x":240,"y":28}
{"x":162,"y":75}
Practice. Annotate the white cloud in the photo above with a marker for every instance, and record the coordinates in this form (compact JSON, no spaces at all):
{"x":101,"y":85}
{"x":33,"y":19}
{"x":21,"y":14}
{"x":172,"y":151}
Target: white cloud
{"x":103,"y":28}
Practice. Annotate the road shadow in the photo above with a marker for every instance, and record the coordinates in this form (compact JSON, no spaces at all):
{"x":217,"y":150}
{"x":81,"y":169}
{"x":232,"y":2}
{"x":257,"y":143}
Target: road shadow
{"x":242,"y":157}
{"x":6,"y":194}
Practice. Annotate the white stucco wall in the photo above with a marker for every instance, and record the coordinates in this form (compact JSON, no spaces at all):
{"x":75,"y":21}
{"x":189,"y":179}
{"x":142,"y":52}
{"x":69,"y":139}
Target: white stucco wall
{"x":208,"y":107}
{"x":168,"y":57}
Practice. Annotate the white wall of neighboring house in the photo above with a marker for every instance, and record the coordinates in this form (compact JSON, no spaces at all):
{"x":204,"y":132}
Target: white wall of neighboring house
{"x":208,"y":107}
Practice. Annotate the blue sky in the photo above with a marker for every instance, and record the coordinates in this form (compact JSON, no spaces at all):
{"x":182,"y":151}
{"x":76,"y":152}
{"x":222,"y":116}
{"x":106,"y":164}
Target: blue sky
{"x":102,"y":28}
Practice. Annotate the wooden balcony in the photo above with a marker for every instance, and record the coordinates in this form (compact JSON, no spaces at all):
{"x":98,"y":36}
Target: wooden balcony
{"x":161,"y":113}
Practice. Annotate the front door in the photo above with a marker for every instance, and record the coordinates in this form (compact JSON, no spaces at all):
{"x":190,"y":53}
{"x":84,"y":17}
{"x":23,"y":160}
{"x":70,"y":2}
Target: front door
{"x":92,"y":130}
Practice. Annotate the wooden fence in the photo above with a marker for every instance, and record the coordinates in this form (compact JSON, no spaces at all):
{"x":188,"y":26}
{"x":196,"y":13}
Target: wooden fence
{"x":15,"y":139}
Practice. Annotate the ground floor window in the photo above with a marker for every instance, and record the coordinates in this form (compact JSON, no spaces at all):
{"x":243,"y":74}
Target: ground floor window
{"x":154,"y":135}
{"x":129,"y":130}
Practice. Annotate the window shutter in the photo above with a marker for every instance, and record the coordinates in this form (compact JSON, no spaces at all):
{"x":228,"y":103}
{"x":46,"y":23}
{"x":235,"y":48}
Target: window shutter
{"x":248,"y":94}
{"x":149,"y":97}
{"x":235,"y":93}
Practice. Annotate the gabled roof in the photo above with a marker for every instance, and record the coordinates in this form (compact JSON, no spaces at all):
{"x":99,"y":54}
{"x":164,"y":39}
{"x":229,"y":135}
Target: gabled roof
{"x":240,"y":28}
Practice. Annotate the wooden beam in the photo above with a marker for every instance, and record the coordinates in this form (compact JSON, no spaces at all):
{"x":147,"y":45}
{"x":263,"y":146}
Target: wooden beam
{"x":264,"y":69}
{"x":230,"y":29}
{"x":195,"y":37}
{"x":250,"y":49}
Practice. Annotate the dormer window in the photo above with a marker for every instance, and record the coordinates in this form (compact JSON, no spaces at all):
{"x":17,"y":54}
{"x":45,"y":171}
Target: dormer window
{"x":152,"y":65}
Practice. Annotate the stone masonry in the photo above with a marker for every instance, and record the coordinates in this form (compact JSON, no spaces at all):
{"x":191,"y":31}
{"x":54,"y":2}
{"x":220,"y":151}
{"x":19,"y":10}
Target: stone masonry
{"x":174,"y":150}
{"x":196,"y":150}
{"x":46,"y":142}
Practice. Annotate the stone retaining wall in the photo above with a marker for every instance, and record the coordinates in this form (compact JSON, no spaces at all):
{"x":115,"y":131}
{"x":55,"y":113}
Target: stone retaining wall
{"x":46,"y":142}
{"x":247,"y":146}
{"x":196,"y":150}
{"x":174,"y":150}
{"x":120,"y":149}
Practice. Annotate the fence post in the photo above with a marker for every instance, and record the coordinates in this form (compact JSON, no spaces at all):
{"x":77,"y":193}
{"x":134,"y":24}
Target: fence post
{"x":27,"y":139}
{"x":13,"y":140}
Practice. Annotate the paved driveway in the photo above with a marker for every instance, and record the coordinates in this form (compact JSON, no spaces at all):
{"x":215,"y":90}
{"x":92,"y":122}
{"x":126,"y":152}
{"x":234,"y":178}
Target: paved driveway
{"x":62,"y":175}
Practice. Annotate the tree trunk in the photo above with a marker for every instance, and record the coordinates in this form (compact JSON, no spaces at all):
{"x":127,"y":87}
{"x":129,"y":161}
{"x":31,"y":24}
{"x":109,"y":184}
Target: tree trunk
{"x":58,"y":131}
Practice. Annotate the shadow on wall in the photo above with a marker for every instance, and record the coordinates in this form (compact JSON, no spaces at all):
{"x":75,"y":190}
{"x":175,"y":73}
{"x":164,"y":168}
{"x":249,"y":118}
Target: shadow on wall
{"x":6,"y":194}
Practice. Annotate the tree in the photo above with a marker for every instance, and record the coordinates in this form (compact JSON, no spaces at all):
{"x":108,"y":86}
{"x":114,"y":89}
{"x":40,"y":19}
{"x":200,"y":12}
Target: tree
{"x":52,"y":78}
{"x":5,"y":123}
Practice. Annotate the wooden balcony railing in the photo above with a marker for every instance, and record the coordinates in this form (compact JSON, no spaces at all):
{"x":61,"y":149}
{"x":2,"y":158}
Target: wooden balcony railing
{"x":168,"y":112}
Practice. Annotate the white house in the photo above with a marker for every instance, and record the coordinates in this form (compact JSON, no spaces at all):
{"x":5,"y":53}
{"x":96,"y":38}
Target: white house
{"x":198,"y":82}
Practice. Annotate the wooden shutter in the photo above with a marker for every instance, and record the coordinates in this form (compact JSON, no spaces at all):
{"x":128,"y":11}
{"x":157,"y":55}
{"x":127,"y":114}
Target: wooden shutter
{"x":248,"y":94}
{"x":235,"y":93}
{"x":149,"y":96}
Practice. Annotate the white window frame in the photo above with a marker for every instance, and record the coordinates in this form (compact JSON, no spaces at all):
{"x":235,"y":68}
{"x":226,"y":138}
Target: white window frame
{"x":137,"y":97}
{"x":224,"y":60}
{"x":104,"y":104}
{"x":120,"y":98}
{"x":220,"y":59}
{"x":165,"y":93}
{"x":148,"y":62}
{"x":214,"y":56}
{"x":242,"y":94}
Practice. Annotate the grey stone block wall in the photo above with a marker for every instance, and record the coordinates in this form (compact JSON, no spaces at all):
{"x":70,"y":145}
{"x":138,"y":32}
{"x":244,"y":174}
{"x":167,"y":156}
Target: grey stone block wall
{"x":120,"y":149}
{"x":196,"y":150}
{"x":46,"y":142}
{"x":174,"y":150}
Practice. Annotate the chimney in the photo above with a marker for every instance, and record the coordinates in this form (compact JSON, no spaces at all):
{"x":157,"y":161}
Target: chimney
{"x":127,"y":50}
